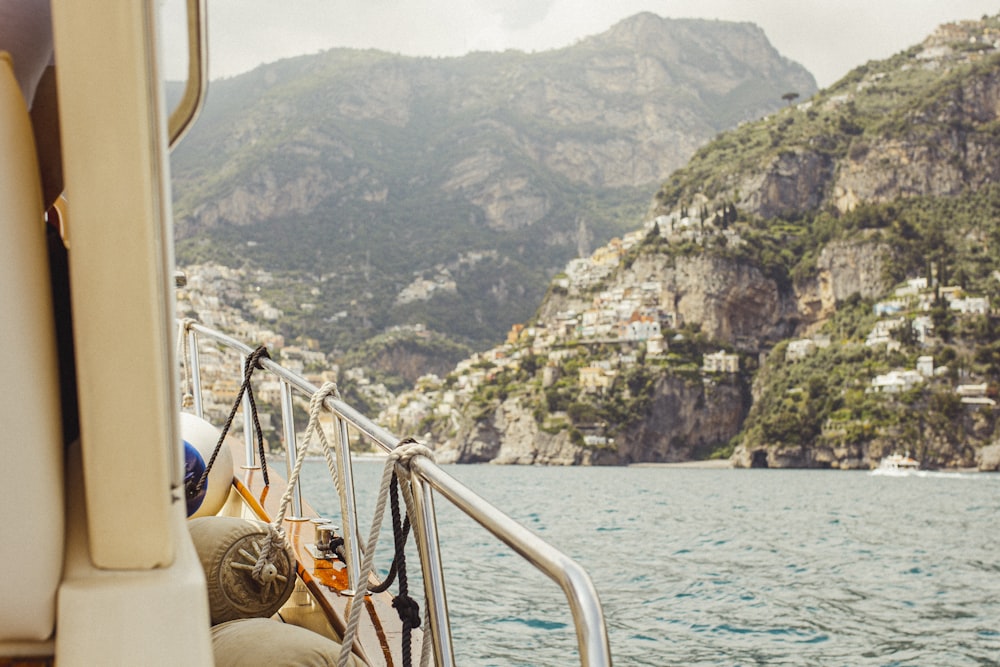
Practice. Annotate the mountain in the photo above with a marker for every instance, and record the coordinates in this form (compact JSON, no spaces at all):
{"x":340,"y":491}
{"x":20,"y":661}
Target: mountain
{"x":814,"y":289}
{"x":387,"y":190}
{"x":920,"y":123}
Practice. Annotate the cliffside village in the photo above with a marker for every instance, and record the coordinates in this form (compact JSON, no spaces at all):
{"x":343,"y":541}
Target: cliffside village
{"x":628,"y":317}
{"x":210,"y":297}
{"x":909,"y":306}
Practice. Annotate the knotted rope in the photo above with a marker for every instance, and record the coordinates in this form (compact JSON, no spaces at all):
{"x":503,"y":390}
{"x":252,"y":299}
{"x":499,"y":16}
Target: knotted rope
{"x":264,"y":571}
{"x":401,"y":456}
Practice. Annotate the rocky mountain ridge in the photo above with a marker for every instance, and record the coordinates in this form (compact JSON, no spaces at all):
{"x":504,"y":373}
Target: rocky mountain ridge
{"x":361,"y":173}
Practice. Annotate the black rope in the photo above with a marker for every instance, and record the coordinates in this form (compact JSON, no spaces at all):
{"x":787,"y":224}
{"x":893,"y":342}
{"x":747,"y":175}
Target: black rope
{"x":406,"y":607}
{"x":337,"y":547}
{"x":389,"y":578}
{"x":252,"y":363}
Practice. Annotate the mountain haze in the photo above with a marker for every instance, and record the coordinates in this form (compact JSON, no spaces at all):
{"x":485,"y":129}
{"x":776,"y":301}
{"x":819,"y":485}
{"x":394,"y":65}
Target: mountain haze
{"x":388,"y":190}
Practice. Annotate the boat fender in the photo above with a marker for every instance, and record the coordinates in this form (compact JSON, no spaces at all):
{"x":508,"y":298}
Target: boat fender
{"x":228,"y":548}
{"x":200,"y":439}
{"x":263,"y":642}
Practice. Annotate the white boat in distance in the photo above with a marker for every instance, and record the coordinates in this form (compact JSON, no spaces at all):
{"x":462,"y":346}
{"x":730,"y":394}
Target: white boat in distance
{"x":897,"y":465}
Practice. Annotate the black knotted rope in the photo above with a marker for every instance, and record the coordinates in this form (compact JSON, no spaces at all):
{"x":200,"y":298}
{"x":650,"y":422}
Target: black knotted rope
{"x":405,"y":606}
{"x":337,"y":547}
{"x":252,"y":363}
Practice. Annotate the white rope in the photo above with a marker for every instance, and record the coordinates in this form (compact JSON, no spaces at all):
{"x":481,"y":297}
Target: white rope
{"x":402,"y":455}
{"x":426,"y":642}
{"x":316,"y":405}
{"x":276,"y":532}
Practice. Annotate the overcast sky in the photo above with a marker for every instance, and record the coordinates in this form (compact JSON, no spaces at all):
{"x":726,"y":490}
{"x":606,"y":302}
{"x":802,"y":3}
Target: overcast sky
{"x":828,"y":37}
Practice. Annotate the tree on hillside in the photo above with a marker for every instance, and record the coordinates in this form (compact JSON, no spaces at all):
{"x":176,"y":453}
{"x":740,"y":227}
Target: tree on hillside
{"x":789,"y":97}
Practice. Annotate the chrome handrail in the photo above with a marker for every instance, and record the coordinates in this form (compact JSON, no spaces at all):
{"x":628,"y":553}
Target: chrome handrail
{"x":426,"y":476}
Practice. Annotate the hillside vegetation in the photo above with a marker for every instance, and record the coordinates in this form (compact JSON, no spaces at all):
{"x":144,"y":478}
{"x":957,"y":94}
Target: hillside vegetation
{"x":446,"y":192}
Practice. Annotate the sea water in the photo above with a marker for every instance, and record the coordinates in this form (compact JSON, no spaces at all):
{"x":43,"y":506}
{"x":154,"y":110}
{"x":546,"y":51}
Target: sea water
{"x":723,"y":567}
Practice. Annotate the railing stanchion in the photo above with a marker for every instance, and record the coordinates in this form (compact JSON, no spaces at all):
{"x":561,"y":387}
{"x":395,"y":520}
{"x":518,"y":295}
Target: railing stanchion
{"x":349,"y":509}
{"x":291,"y":448}
{"x":195,"y":372}
{"x":425,"y":529}
{"x":249,"y":451}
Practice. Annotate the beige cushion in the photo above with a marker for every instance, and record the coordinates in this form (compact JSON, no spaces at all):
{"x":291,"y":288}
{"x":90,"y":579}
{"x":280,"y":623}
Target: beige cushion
{"x":31,"y":448}
{"x":227,"y":547}
{"x":262,"y":642}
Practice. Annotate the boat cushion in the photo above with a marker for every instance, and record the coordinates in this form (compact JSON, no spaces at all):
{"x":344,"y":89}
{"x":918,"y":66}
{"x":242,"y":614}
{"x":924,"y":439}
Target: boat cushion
{"x":262,"y":642}
{"x":31,"y":445}
{"x":228,"y":548}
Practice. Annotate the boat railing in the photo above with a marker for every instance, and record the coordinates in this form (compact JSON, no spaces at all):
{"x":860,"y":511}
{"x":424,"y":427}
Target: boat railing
{"x":426,"y":478}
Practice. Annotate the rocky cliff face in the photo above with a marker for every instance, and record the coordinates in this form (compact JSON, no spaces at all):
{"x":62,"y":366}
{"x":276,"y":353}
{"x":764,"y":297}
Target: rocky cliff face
{"x":844,"y":268}
{"x":685,"y":417}
{"x":794,"y":181}
{"x":510,"y":435}
{"x":735,"y":303}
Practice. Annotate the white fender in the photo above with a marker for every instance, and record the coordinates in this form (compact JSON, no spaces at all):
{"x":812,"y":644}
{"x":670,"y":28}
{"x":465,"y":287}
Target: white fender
{"x":200,"y":438}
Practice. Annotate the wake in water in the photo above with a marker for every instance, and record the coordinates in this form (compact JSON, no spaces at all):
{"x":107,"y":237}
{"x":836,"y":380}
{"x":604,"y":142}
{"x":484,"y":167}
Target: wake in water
{"x":936,"y":474}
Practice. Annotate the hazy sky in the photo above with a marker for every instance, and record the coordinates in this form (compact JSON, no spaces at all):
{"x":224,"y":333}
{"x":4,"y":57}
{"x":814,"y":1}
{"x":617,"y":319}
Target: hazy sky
{"x":828,"y":37}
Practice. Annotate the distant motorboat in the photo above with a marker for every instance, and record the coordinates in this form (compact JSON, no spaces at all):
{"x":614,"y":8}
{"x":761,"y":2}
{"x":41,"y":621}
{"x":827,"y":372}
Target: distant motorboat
{"x":897,"y":464}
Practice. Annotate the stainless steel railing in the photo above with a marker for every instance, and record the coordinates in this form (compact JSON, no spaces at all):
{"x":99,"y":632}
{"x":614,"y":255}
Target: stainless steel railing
{"x":426,"y":477}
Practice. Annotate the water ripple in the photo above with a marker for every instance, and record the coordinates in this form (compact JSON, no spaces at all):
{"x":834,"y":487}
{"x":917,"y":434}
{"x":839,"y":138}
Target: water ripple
{"x":724,"y":567}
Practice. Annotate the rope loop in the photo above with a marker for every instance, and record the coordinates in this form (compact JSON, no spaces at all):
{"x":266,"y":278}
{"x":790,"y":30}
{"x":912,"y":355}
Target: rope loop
{"x":316,"y":405}
{"x":318,"y":400}
{"x":252,"y":363}
{"x":276,"y":534}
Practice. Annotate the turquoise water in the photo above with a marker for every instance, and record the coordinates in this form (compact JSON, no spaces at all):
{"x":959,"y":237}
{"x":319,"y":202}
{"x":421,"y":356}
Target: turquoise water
{"x":726,"y":567}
